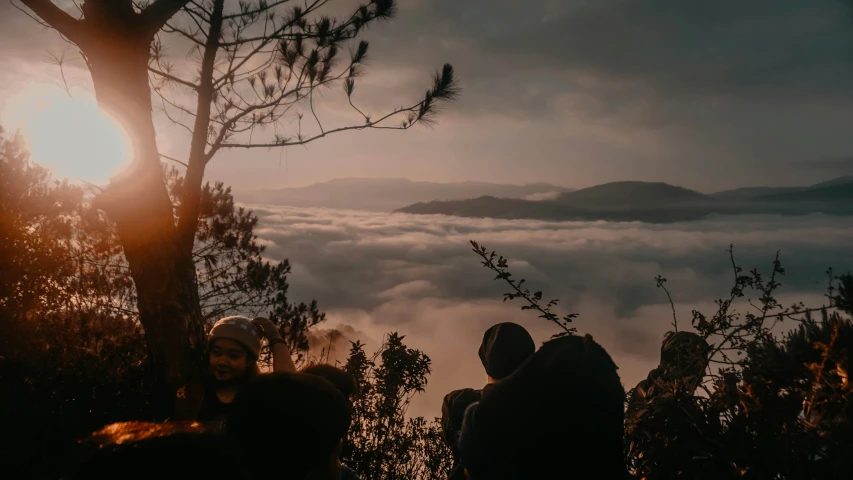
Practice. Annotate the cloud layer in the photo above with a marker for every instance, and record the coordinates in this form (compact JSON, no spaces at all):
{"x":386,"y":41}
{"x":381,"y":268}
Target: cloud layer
{"x":375,"y":273}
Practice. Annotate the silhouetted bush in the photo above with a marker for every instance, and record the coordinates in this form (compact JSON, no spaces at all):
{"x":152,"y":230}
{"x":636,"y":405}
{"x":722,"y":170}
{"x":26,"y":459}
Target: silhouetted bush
{"x":383,"y":442}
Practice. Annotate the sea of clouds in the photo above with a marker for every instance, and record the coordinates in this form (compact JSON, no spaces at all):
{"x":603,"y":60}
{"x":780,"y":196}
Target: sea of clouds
{"x":374,"y":273}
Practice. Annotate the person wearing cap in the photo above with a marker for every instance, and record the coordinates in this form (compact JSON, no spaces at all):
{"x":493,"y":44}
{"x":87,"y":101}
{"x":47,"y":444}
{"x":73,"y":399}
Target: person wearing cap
{"x":559,"y":415}
{"x":505,"y":347}
{"x":233,"y":348}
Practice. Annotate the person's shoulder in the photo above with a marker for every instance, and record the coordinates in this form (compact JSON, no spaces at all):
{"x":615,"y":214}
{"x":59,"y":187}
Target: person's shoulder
{"x":464,"y":395}
{"x":457,"y":401}
{"x":348,"y":473}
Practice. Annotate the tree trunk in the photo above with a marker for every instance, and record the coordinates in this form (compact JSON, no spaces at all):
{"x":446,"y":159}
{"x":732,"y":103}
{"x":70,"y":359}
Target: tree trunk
{"x":162,"y":268}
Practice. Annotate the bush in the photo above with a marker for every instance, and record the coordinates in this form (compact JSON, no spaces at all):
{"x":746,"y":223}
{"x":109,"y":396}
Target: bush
{"x":383,"y":443}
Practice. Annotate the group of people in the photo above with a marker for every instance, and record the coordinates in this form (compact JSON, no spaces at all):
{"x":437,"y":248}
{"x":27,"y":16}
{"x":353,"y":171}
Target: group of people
{"x":552,"y":412}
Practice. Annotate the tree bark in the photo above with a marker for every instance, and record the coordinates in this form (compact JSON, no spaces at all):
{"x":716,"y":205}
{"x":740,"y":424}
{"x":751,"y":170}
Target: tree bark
{"x":115,"y":42}
{"x":191,"y":195}
{"x":138,"y":201}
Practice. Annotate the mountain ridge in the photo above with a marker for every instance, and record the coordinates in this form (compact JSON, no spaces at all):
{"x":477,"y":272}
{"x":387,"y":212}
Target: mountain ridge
{"x":656,"y":202}
{"x":386,"y":194}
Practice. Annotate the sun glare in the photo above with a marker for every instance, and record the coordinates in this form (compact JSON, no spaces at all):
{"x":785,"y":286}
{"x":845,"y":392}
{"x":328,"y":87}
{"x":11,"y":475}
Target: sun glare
{"x":70,"y":135}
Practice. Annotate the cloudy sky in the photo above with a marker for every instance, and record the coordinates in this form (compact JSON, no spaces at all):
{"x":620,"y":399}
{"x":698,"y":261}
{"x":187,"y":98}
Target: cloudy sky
{"x":708,"y":95}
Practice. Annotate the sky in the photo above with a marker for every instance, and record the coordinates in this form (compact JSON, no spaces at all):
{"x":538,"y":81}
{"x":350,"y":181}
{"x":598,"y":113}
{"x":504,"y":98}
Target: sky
{"x":706,"y":95}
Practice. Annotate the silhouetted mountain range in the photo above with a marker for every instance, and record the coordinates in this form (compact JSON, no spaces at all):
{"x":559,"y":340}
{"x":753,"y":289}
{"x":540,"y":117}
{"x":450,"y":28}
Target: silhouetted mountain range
{"x":654,"y":202}
{"x":386,"y":194}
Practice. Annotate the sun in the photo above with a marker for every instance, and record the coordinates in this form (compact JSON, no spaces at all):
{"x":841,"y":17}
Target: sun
{"x":69,"y":134}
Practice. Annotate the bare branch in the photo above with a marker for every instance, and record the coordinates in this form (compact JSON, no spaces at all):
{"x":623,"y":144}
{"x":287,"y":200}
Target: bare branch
{"x":59,"y":60}
{"x":261,"y":9}
{"x":57,"y":18}
{"x":155,"y":16}
{"x":172,"y":78}
{"x":174,"y":160}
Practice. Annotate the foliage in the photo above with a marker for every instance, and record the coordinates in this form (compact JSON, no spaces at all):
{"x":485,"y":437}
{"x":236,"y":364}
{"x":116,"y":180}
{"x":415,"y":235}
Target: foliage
{"x":33,"y":224}
{"x":769,"y":406}
{"x":72,"y":354}
{"x":274,"y":58}
{"x":533,"y":300}
{"x":233,"y":275}
{"x":77,"y":372}
{"x":382,"y":442}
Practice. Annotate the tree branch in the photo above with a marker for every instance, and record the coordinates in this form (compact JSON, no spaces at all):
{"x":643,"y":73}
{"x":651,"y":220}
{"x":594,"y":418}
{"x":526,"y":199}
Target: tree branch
{"x":158,"y":13}
{"x":188,"y":217}
{"x":57,"y":18}
{"x":172,"y":78}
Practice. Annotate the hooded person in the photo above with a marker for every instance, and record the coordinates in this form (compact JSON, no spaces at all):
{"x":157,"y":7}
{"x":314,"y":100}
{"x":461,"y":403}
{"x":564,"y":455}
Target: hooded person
{"x":504,"y":348}
{"x":233,"y":348}
{"x":560,"y":415}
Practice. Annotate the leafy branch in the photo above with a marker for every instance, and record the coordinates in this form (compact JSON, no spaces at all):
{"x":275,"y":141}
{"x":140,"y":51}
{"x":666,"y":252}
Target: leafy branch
{"x":534,"y":300}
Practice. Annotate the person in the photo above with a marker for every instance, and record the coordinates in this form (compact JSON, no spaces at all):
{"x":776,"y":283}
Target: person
{"x":345,"y":383}
{"x":683,"y":359}
{"x":560,"y":415}
{"x":144,"y":451}
{"x":663,"y":403}
{"x":290,"y":426}
{"x":233,"y":348}
{"x":504,"y":348}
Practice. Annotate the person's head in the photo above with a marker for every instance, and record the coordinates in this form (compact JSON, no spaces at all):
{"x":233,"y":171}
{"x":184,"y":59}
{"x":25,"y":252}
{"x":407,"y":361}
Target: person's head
{"x":290,"y":425}
{"x":145,"y":451}
{"x":233,"y":347}
{"x":684,"y":353}
{"x":504,"y":348}
{"x":338,"y":377}
{"x":561,"y":413}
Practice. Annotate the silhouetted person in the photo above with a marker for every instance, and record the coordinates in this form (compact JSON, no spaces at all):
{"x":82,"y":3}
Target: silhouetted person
{"x":338,"y":377}
{"x":661,"y":406}
{"x":560,"y":415}
{"x":683,"y":359}
{"x":290,"y":426}
{"x":234,"y":344}
{"x":504,"y":348}
{"x":149,"y":451}
{"x":345,"y":384}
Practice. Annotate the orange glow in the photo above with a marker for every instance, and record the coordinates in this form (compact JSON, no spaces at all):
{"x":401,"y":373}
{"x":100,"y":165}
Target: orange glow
{"x":69,"y":135}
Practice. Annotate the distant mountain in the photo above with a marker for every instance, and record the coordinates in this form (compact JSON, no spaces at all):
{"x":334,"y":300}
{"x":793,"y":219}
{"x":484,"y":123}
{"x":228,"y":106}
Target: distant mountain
{"x":620,"y":201}
{"x":845,"y":180}
{"x":653,"y":202}
{"x":632,"y":195}
{"x":769,"y":193}
{"x":386,"y":194}
{"x":751,"y":192}
{"x":836,"y":190}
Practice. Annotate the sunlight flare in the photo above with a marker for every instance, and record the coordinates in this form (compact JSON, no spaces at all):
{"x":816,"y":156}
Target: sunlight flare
{"x":70,"y":134}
